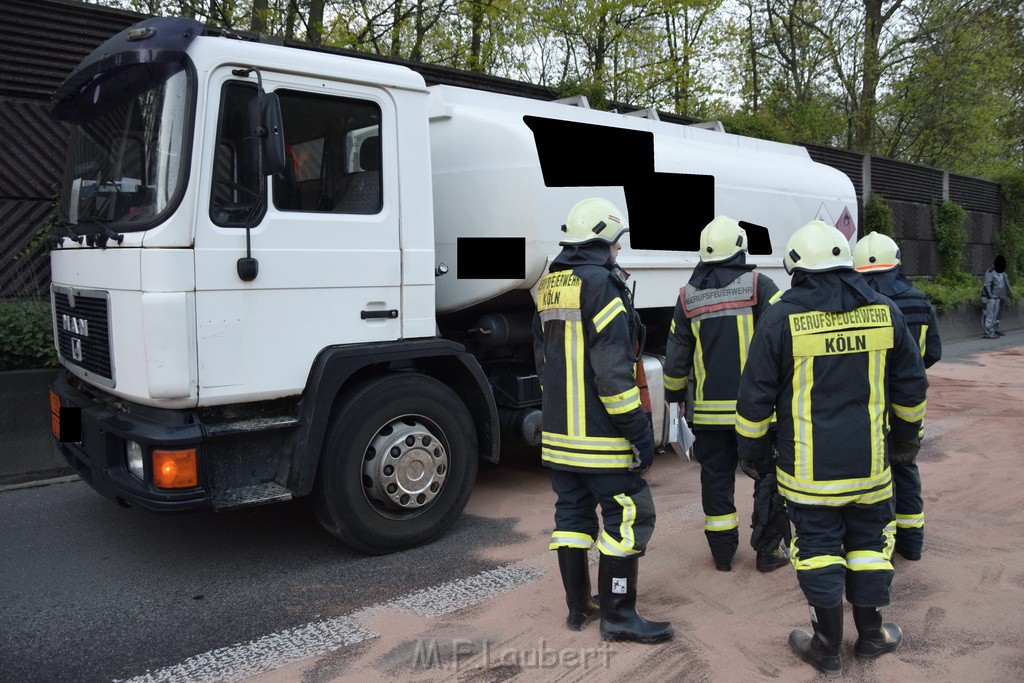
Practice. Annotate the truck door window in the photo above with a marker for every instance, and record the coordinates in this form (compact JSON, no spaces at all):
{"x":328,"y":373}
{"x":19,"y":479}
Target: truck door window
{"x":236,"y":179}
{"x":333,"y":146}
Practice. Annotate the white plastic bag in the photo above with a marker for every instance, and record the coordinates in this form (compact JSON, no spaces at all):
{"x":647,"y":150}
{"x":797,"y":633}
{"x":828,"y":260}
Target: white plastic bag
{"x":680,"y":437}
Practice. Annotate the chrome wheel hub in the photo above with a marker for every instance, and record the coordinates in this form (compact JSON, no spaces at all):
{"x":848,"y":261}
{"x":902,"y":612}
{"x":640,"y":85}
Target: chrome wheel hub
{"x":404,"y":466}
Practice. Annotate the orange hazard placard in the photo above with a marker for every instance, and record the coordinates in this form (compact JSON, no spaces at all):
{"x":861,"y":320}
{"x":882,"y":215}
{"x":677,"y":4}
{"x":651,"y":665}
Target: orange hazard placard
{"x":54,"y":414}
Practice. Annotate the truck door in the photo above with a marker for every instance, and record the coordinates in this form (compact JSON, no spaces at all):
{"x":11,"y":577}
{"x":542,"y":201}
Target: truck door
{"x":326,"y":238}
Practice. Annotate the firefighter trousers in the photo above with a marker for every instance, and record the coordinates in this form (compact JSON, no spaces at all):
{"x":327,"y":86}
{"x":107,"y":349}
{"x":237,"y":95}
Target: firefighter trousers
{"x":847,"y":547}
{"x":627,"y":512}
{"x":906,"y":481}
{"x":717,"y":452}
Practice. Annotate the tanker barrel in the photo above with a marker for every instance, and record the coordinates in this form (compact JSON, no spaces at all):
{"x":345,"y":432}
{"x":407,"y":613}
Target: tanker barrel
{"x":505,"y":329}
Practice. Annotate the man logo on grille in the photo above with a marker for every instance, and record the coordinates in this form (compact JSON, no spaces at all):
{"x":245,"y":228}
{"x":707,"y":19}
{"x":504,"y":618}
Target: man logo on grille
{"x":76,"y":348}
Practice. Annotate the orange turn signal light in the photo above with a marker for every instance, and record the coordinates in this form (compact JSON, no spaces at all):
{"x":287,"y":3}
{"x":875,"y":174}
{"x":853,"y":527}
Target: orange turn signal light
{"x":175,"y":469}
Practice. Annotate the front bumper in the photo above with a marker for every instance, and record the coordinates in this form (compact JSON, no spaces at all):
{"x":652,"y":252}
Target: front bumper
{"x":99,"y":457}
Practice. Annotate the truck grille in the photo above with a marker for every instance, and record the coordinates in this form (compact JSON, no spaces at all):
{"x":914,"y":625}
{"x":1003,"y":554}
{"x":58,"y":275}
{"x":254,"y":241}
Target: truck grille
{"x":82,"y":320}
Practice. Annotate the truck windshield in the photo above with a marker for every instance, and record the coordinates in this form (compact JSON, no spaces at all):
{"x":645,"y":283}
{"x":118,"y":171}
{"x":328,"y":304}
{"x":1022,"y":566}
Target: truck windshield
{"x":127,"y":159}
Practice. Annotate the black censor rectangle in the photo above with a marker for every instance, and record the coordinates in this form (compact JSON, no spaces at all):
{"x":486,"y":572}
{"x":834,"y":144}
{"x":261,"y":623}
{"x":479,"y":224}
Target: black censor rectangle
{"x":491,"y":258}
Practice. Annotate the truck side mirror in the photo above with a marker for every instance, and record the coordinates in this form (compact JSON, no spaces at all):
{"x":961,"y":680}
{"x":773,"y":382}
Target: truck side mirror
{"x":273,"y":135}
{"x":268,"y":132}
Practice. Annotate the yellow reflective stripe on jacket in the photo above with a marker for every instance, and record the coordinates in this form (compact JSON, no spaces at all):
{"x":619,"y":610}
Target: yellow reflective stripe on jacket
{"x":716,"y":404}
{"x":586,"y":451}
{"x":910,"y":521}
{"x":608,"y":313}
{"x":922,"y":338}
{"x":713,"y":420}
{"x":867,"y":560}
{"x":751,"y":429}
{"x":699,"y":373}
{"x":715,"y":413}
{"x":675,"y":383}
{"x":837,"y":500}
{"x":721,"y":522}
{"x":876,"y":410}
{"x":622,"y":403}
{"x":775,"y":297}
{"x":745,"y":330}
{"x":803,"y":427}
{"x":570,"y":539}
{"x":589,"y":460}
{"x":575,"y":398}
{"x":910,"y":413}
{"x":838,"y":486}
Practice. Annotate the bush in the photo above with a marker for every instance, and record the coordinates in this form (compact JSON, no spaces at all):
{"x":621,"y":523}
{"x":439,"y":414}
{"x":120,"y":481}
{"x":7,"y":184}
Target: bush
{"x":950,"y":291}
{"x":26,"y":335}
{"x":1009,"y":241}
{"x":951,"y":237}
{"x":878,"y":216}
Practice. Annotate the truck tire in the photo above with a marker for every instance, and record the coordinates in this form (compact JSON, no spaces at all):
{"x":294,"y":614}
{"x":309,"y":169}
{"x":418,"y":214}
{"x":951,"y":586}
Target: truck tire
{"x":398,"y":464}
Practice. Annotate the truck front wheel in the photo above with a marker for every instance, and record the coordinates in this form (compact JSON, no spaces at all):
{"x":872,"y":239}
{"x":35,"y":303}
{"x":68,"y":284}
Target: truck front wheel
{"x":398,"y":464}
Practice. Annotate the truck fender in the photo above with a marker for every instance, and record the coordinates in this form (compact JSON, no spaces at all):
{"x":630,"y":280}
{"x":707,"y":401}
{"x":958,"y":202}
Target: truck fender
{"x":338,"y":367}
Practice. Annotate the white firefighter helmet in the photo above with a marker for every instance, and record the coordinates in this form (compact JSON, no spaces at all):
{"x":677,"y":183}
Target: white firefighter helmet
{"x":721,"y":239}
{"x":593,"y":220}
{"x":817,"y":247}
{"x":876,"y":252}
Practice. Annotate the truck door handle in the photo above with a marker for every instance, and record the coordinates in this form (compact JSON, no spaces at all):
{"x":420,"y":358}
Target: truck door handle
{"x":390,"y":313}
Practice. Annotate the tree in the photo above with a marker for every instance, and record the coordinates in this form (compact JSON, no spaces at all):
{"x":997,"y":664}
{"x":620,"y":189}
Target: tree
{"x":686,"y":25}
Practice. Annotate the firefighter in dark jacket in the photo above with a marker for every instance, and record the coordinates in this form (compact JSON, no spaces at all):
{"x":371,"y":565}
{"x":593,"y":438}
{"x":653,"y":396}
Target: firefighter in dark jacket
{"x":835,"y":362}
{"x":877,"y":258}
{"x":596,"y":439}
{"x":711,"y":328}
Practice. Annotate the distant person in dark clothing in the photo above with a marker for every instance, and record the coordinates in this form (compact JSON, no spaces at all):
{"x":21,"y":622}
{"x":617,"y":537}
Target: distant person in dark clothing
{"x":994,"y":294}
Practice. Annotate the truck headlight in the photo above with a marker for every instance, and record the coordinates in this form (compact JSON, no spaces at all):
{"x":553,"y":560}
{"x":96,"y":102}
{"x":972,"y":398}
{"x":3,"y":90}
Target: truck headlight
{"x":133,"y":454}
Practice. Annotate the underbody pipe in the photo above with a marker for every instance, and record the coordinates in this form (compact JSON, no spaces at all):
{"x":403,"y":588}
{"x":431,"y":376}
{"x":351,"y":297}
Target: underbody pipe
{"x":520,"y":426}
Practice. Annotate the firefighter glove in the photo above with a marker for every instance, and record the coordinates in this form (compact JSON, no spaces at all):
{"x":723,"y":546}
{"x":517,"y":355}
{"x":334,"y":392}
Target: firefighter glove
{"x":755,"y":469}
{"x":643,"y":454}
{"x":905,"y":450}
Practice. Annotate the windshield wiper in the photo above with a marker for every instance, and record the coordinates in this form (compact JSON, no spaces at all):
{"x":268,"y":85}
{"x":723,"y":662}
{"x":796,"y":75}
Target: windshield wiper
{"x":61,"y":229}
{"x":99,"y":237}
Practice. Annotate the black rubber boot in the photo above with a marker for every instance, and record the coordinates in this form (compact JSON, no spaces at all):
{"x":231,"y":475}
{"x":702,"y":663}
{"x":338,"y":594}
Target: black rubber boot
{"x":574,"y":566}
{"x":874,"y":637}
{"x":769,"y":561}
{"x":616,"y":580}
{"x":822,"y":650}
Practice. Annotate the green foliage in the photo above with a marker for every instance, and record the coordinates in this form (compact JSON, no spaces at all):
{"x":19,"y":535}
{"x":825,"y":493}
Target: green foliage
{"x":592,"y":91}
{"x":26,"y":335}
{"x":951,"y":237}
{"x":754,"y":125}
{"x":951,"y":291}
{"x":1009,"y":241}
{"x":878,"y":216}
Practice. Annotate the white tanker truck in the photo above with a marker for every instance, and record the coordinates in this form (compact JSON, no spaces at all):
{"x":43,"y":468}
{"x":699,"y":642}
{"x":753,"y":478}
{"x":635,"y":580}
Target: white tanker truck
{"x":281,"y":272}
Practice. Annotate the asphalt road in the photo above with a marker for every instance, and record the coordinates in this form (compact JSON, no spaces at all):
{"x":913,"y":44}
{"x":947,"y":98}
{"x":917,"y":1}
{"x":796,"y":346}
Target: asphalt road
{"x":91,"y":591}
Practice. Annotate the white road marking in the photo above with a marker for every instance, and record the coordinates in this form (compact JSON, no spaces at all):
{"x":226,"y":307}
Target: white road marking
{"x":244,"y":660}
